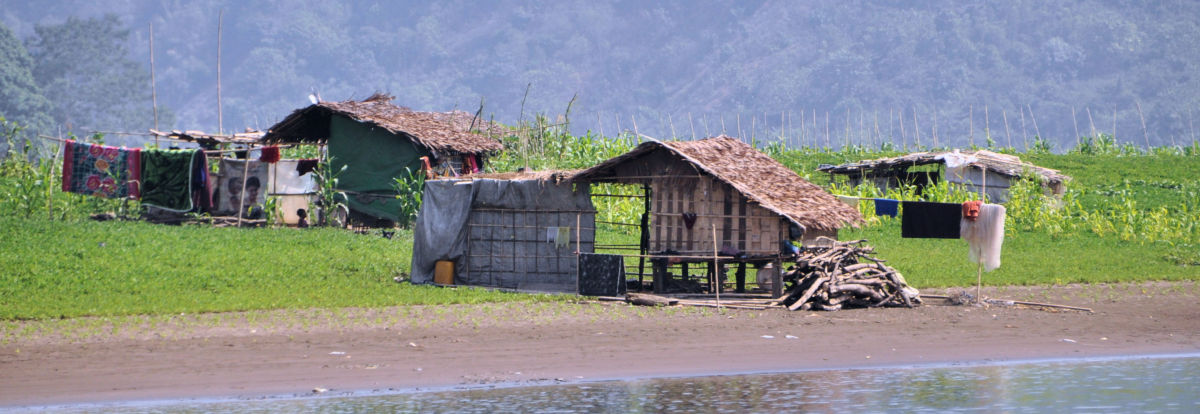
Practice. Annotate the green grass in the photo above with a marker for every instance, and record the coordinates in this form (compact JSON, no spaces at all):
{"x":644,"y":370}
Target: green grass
{"x":56,"y":269}
{"x":1028,"y":258}
{"x":1130,"y":217}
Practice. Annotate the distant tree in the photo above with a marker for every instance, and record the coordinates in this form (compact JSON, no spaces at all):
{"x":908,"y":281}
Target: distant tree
{"x":21,"y":99}
{"x":84,"y":68}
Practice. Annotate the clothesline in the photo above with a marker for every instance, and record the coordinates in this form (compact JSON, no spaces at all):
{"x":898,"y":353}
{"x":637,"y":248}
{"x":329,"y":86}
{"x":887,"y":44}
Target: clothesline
{"x":209,"y":152}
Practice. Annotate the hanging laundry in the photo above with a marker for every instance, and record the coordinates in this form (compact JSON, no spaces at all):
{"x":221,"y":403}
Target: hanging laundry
{"x":231,"y":185}
{"x":564,"y":237}
{"x":925,"y":220}
{"x":201,"y":184}
{"x":102,"y":171}
{"x":957,"y":165}
{"x":167,"y":178}
{"x":886,"y":207}
{"x":551,"y":234}
{"x":689,"y":220}
{"x":269,"y":155}
{"x":307,"y":165}
{"x":985,"y":236}
{"x":849,"y":200}
{"x":286,"y":179}
{"x":970,"y":210}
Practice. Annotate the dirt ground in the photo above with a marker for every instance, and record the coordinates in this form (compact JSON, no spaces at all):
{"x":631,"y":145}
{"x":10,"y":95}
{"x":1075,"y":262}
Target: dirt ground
{"x":327,"y":352}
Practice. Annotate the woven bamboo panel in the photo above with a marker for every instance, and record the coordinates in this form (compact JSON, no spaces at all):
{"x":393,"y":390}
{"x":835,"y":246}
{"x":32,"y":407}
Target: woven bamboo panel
{"x":740,"y":223}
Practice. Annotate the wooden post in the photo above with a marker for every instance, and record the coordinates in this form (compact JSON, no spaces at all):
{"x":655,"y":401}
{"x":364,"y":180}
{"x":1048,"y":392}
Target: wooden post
{"x":1145,"y":134}
{"x":777,"y":279}
{"x":220,"y":119}
{"x":245,"y":176}
{"x":1076,"y":123}
{"x":716,"y":267}
{"x":153,"y":85}
{"x":1007,"y":132}
{"x":1033,"y":118}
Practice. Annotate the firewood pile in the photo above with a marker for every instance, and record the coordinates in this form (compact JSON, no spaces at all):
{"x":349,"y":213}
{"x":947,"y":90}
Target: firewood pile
{"x":845,"y":275}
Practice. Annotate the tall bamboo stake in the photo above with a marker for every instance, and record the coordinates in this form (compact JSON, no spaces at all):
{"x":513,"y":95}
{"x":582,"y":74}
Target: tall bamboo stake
{"x":153,"y":84}
{"x":875,"y":141}
{"x":716,"y":267}
{"x":1092,"y":123}
{"x":1145,"y":134}
{"x":220,"y":118}
{"x":971,"y":125}
{"x":1035,"y":125}
{"x":692,"y":125}
{"x":935,"y":127}
{"x":1007,"y":132}
{"x":1024,"y":132}
{"x":1076,"y":124}
{"x":987,"y":126}
{"x":916,"y":129}
{"x":827,"y":144}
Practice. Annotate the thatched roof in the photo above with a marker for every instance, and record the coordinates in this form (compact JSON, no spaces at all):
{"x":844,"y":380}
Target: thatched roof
{"x":248,"y":137}
{"x":440,"y":132}
{"x":1003,"y":164}
{"x":756,"y":175}
{"x":554,"y":176}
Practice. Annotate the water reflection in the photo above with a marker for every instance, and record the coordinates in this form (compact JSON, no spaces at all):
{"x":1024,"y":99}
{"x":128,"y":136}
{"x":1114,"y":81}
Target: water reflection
{"x":1127,"y":385}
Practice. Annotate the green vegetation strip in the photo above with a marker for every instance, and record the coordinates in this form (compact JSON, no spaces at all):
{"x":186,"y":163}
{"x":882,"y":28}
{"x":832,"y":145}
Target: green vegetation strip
{"x":57,"y":269}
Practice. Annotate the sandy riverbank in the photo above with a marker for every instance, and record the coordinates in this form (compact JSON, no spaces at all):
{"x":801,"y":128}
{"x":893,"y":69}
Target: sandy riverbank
{"x":250,"y":355}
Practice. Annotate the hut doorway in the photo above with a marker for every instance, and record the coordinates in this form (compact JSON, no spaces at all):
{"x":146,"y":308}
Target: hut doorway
{"x":622,"y":223}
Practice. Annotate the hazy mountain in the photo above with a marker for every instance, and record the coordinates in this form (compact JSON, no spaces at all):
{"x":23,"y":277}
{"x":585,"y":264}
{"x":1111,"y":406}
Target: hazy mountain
{"x":690,"y":64}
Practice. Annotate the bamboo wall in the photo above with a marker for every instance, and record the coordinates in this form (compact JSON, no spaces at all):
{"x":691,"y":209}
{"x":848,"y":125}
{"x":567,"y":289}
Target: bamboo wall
{"x":740,"y":223}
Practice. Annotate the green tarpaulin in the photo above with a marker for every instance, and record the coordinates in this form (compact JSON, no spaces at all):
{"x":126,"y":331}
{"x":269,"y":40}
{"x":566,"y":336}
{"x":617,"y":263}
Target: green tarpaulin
{"x":376,"y":157}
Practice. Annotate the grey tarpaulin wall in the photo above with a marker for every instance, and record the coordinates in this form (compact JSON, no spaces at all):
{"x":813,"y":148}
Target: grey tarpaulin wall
{"x":500,"y":233}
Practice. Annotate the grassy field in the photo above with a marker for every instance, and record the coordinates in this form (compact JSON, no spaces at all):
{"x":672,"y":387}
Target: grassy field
{"x":58,"y":269}
{"x":1127,"y":216}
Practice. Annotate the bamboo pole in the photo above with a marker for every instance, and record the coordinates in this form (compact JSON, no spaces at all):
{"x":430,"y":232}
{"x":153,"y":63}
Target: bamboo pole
{"x":1024,"y":132}
{"x":220,"y":118}
{"x":827,"y":144}
{"x":1033,"y":118}
{"x":153,"y":84}
{"x":987,"y":126}
{"x":245,"y":176}
{"x":971,"y":124}
{"x":1007,"y":132}
{"x":1145,"y":134}
{"x":916,"y":129}
{"x":716,"y":267}
{"x":1076,"y":124}
{"x":1092,"y":123}
{"x":692,"y":125}
{"x":935,"y":126}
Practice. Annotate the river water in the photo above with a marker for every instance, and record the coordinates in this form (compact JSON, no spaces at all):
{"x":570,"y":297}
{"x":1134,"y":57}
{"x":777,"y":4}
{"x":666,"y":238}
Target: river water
{"x":1132,"y":384}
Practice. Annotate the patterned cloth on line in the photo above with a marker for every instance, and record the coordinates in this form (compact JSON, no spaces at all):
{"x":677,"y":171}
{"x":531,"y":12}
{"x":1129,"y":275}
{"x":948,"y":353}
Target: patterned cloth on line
{"x":167,"y":179}
{"x":100,"y":170}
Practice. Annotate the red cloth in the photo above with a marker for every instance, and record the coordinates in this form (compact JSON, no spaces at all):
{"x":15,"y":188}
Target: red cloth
{"x":970,"y":210}
{"x":270,"y":155}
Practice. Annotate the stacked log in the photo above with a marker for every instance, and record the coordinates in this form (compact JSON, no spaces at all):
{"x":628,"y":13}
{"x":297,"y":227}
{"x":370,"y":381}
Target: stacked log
{"x":845,"y":275}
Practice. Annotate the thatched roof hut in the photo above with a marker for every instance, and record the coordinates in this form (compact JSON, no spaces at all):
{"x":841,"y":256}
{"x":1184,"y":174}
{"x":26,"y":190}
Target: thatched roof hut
{"x":684,"y":175}
{"x":379,"y":142}
{"x":1001,"y":170}
{"x":440,"y":132}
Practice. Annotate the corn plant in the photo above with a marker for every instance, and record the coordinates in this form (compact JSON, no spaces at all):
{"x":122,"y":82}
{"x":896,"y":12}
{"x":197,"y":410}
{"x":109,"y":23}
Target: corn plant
{"x":408,"y":191}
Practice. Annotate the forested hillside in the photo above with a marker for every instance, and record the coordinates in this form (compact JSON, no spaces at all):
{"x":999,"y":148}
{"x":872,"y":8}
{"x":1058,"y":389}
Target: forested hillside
{"x":820,"y":72}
